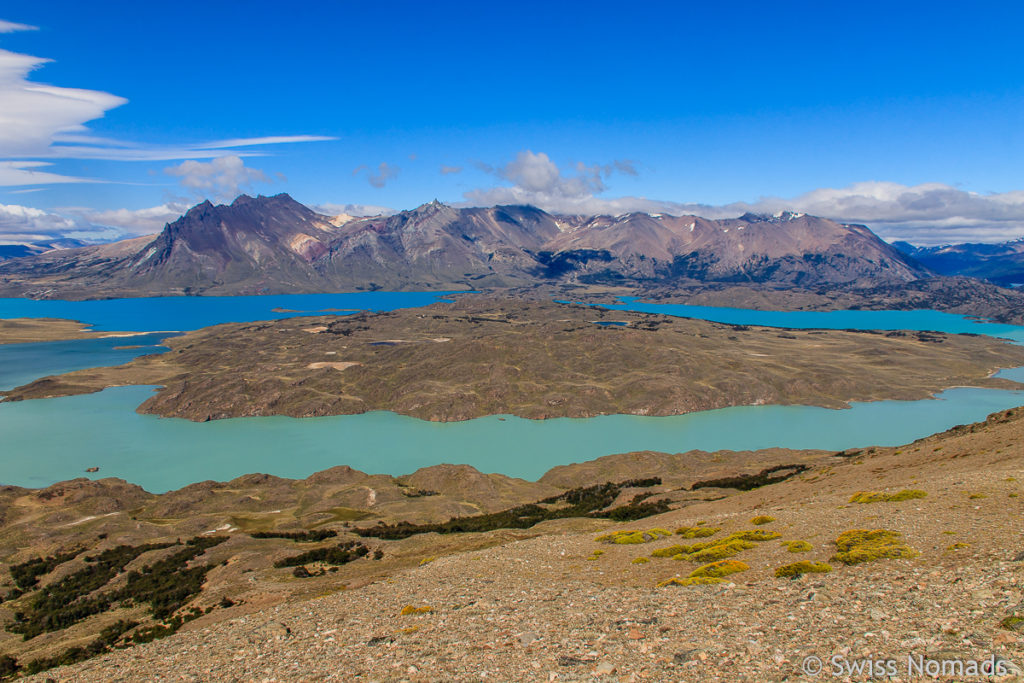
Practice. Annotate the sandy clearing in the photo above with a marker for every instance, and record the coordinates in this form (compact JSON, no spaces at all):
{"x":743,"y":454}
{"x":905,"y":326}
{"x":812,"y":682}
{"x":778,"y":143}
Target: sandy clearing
{"x":337,"y":365}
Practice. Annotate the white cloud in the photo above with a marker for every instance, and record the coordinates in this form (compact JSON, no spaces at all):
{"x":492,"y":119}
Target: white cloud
{"x":21,"y":224}
{"x":26,"y":224}
{"x":385,"y":172}
{"x":18,"y":173}
{"x":33,"y":114}
{"x":11,"y":27}
{"x":926,"y":214}
{"x":448,"y":170}
{"x":40,"y":121}
{"x":330,"y":209}
{"x":223,"y":178}
{"x":537,"y":180}
{"x":130,"y":221}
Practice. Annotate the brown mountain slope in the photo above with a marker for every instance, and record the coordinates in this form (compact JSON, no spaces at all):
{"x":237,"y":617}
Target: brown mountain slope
{"x":276,"y":245}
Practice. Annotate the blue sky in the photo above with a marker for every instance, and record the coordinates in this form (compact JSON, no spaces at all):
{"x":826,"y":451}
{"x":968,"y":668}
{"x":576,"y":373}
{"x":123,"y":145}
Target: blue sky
{"x":907,"y":116}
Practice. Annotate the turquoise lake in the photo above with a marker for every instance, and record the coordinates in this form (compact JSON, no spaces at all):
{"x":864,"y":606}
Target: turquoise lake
{"x":45,"y":441}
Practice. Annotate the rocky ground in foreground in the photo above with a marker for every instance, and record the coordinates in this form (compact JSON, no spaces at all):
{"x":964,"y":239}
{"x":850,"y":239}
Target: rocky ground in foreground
{"x":566,"y":606}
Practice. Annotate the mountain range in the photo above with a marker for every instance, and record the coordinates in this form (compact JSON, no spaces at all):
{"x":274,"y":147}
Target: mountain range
{"x":277,"y":245}
{"x":1001,"y":264}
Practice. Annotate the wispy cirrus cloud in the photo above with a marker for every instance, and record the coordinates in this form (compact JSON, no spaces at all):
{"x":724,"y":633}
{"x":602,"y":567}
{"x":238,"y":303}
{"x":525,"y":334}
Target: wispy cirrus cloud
{"x":46,"y":122}
{"x":13,"y":27}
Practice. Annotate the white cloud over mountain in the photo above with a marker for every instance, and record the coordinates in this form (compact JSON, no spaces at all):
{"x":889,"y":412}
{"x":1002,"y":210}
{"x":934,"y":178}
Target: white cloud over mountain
{"x":926,"y":214}
{"x":24,"y":224}
{"x":223,"y":178}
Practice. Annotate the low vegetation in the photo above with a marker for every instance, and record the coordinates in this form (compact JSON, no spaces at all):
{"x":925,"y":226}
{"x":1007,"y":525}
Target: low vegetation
{"x":412,"y":609}
{"x":758,"y":535}
{"x":798,"y":569}
{"x":717,"y":570}
{"x":762,"y":519}
{"x":165,"y":586}
{"x":697,"y":531}
{"x":718,"y":549}
{"x":797,"y":546}
{"x":861,"y":545}
{"x":631,"y":537}
{"x":314,"y":536}
{"x":590,"y":501}
{"x":746,"y":482}
{"x":343,"y":553}
{"x":26,"y":575}
{"x":879,"y":497}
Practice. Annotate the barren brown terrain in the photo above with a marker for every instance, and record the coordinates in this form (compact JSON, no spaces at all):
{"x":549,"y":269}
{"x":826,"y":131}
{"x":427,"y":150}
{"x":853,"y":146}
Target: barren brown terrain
{"x":482,"y":356}
{"x":25,"y":330}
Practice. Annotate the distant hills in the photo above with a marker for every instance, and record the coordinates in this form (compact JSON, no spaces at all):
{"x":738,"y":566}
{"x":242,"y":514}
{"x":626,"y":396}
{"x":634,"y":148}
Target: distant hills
{"x":1001,"y":264}
{"x":277,"y":245}
{"x":8,"y":251}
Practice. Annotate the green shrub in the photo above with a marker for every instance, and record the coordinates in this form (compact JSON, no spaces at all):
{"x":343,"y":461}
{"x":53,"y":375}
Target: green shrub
{"x":630,"y":537}
{"x":697,"y":531}
{"x":758,"y":535}
{"x":762,"y":519}
{"x":314,"y":536}
{"x":589,"y":501}
{"x":26,"y":575}
{"x":861,"y":545}
{"x":879,"y":497}
{"x":338,"y":555}
{"x":717,"y":570}
{"x":803,"y":567}
{"x":720,"y":551}
{"x":797,"y":546}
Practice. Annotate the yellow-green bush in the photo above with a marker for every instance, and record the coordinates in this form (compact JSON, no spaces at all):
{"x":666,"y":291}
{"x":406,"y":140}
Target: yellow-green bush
{"x":697,"y":531}
{"x":881,"y":497}
{"x":862,"y":545}
{"x":689,"y":581}
{"x":801,"y":568}
{"x":633,"y":536}
{"x":410,"y":609}
{"x":720,"y":551}
{"x":640,"y":560}
{"x":717,"y":570}
{"x":671,"y":551}
{"x":797,"y":546}
{"x":762,"y":519}
{"x":758,"y":535}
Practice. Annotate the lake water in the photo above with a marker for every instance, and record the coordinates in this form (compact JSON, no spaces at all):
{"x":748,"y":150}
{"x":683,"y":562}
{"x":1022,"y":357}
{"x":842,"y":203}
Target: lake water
{"x":50,"y":440}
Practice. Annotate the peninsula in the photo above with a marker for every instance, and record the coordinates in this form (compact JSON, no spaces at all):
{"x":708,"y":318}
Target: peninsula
{"x":485,"y":356}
